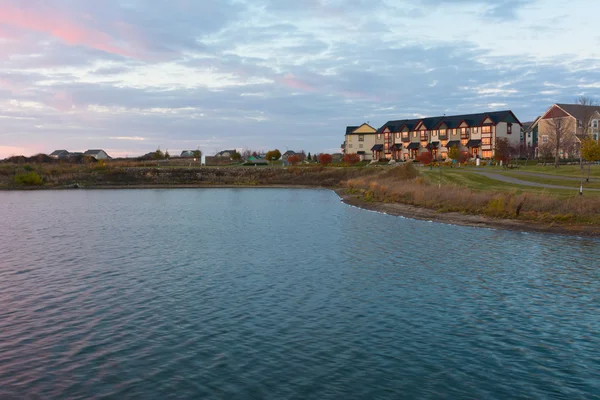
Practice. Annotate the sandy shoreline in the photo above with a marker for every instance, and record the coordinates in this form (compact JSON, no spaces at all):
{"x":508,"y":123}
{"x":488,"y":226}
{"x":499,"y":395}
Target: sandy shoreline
{"x":478,"y":221}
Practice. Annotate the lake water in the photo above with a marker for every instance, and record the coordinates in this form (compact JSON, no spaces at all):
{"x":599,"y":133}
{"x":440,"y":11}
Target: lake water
{"x":285,"y":294}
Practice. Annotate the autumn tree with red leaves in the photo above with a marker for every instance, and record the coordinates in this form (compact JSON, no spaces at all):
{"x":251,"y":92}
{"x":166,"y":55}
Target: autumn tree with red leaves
{"x":351,"y":159}
{"x":325,"y":159}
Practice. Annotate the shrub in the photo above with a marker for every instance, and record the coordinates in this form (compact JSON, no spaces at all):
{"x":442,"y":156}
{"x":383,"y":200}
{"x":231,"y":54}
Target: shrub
{"x":351,"y":158}
{"x":293,"y":160}
{"x":28,"y":179}
{"x":425,"y":158}
{"x":28,"y":168}
{"x":273,"y":155}
{"x":325,"y":159}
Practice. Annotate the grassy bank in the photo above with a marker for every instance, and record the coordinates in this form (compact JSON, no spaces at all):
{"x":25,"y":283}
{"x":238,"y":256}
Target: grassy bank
{"x":469,"y":193}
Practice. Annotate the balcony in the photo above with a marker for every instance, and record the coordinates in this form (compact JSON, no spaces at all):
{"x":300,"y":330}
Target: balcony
{"x":424,"y":137}
{"x":406,"y":139}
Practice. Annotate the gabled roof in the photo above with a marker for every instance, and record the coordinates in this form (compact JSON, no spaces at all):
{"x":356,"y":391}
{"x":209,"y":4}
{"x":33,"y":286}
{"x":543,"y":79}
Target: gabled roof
{"x":58,"y":152}
{"x":92,"y":152}
{"x":289,"y":153}
{"x":578,"y":111}
{"x":350,"y":129}
{"x":451,"y":121}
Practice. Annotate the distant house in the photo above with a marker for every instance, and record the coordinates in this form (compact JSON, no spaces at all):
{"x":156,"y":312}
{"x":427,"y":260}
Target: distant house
{"x":59,"y":154}
{"x":252,"y":160}
{"x":287,"y":154}
{"x":225,"y":153}
{"x":97,"y":154}
{"x":187,"y":153}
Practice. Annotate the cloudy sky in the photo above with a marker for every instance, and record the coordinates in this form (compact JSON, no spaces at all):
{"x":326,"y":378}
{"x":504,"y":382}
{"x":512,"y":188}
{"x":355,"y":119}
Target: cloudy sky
{"x":133,"y":75}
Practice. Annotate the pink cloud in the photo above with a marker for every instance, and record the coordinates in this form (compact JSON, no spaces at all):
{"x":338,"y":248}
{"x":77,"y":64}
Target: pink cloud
{"x":291,"y":81}
{"x":51,"y":22}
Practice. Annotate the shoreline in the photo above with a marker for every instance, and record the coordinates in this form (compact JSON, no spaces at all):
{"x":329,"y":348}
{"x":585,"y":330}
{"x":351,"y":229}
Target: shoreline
{"x":475,"y":221}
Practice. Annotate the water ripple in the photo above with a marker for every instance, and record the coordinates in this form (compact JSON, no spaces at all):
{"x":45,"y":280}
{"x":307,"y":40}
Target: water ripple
{"x":285,"y":294}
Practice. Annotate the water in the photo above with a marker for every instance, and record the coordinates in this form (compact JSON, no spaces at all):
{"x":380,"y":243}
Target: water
{"x":284,"y":294}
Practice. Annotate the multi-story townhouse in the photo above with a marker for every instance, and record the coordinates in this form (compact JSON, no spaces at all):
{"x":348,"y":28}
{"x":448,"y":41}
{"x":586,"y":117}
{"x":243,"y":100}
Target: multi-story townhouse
{"x":572,"y":121}
{"x":473,"y":133}
{"x":359,"y":140}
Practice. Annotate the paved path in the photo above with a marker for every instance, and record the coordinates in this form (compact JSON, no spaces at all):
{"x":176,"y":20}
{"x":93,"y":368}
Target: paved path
{"x":515,"y":181}
{"x":556,"y":177}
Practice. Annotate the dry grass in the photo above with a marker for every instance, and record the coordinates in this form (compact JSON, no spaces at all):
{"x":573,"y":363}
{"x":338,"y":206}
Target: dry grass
{"x":400,"y":187}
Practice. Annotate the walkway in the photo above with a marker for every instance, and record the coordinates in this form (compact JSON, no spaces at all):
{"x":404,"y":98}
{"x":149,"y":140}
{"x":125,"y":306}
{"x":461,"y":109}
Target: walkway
{"x":515,"y":181}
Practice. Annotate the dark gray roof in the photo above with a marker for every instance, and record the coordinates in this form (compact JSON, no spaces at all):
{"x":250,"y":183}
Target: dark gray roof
{"x":474,"y":143}
{"x":452,"y":143}
{"x":578,"y":111}
{"x":58,"y":152}
{"x":413,"y":145}
{"x":92,"y":152}
{"x":451,"y":121}
{"x":350,"y":129}
{"x":377,"y":147}
{"x":289,"y":153}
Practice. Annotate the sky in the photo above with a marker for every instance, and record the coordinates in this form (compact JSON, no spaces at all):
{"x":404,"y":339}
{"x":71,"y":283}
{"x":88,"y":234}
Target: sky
{"x":131,"y":76}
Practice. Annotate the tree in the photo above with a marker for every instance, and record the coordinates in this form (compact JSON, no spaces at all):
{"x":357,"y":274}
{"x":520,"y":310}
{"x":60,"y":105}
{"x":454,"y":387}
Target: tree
{"x":309,"y":158}
{"x":590,"y":151}
{"x":293,"y":160}
{"x":197,"y":154}
{"x":425,"y":158}
{"x":586,"y":113}
{"x":560,"y":138}
{"x":351,"y":158}
{"x":167,"y":155}
{"x":464,"y":157}
{"x":503,"y":151}
{"x":302,"y":155}
{"x":158,"y":155}
{"x":325,"y":159}
{"x":273,"y":155}
{"x":246,"y":154}
{"x":235,"y":156}
{"x":454,"y":154}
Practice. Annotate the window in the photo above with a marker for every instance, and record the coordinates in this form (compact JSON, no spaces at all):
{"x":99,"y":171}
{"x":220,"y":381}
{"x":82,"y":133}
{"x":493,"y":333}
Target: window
{"x":405,"y":135}
{"x":349,"y":146}
{"x":349,"y":138}
{"x":486,"y":141}
{"x":529,"y":134}
{"x":415,"y":135}
{"x":509,"y":129}
{"x":486,"y":129}
{"x":442,"y":132}
{"x":486,"y":154}
{"x":475,"y":130}
{"x":595,"y":136}
{"x":595,"y":123}
{"x":579,"y":123}
{"x":463,"y":133}
{"x":379,"y":136}
{"x":397,"y":135}
{"x":544,"y":139}
{"x":361,"y":138}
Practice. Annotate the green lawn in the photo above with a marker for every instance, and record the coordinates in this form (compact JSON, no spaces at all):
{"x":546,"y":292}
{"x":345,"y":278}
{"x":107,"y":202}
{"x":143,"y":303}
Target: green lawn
{"x":466,"y":177}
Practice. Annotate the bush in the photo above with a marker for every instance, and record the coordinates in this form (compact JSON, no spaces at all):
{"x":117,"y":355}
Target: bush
{"x":293,"y":160}
{"x":404,"y":172}
{"x":425,"y":158}
{"x":325,"y":159}
{"x":351,"y":158}
{"x":28,"y":179}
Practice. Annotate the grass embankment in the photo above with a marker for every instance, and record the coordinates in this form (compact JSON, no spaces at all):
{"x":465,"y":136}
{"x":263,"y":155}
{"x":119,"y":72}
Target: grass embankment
{"x":109,"y":174}
{"x":466,"y":192}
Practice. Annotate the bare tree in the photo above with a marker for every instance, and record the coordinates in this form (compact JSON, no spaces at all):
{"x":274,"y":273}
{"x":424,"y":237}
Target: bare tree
{"x":560,"y":137}
{"x":587,"y":112}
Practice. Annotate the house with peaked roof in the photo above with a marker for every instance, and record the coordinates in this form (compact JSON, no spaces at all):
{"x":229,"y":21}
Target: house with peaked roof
{"x":573,"y":121}
{"x":59,"y":154}
{"x":473,"y":133}
{"x":360,"y":140}
{"x":97,"y":154}
{"x":225,"y":153}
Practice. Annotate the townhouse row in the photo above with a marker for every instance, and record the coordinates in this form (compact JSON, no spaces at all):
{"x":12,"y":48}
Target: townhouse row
{"x":405,"y":139}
